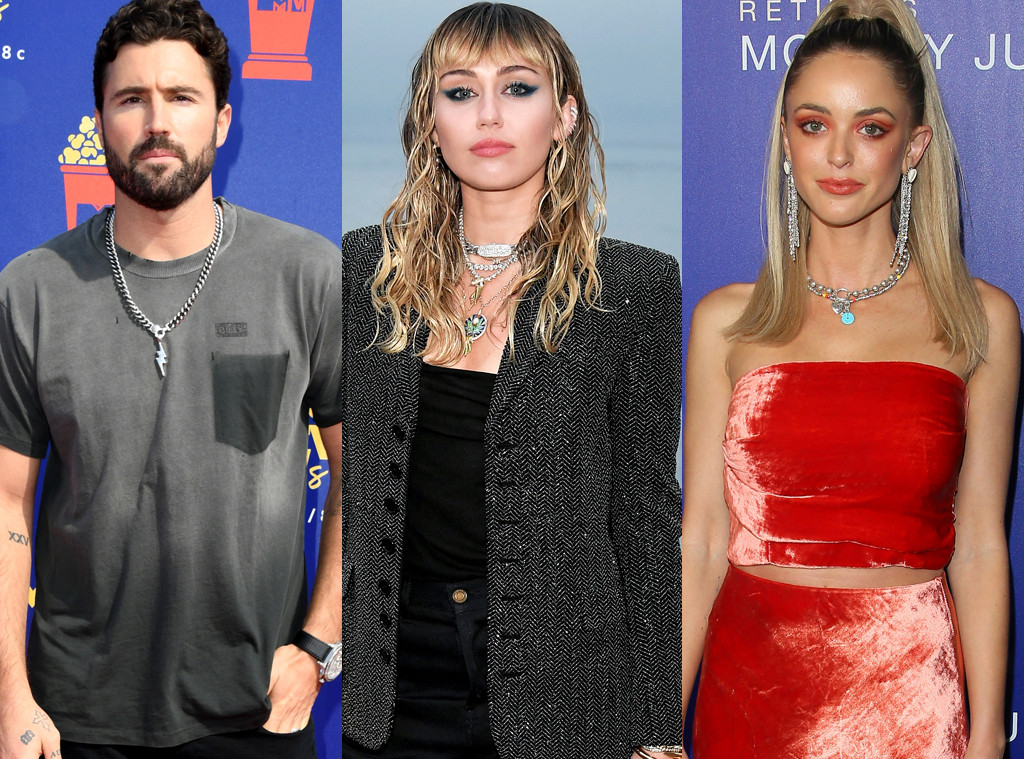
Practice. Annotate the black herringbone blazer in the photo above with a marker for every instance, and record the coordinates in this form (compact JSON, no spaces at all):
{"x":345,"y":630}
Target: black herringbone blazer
{"x":583,"y":514}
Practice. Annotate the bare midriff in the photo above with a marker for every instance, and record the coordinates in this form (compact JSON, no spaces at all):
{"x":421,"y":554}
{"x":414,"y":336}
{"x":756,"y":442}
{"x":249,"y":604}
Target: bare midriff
{"x":843,"y":577}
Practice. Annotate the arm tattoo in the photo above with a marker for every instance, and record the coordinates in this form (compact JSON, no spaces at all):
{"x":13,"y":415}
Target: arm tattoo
{"x":55,"y":753}
{"x":42,"y":719}
{"x":17,"y":537}
{"x":27,"y":737}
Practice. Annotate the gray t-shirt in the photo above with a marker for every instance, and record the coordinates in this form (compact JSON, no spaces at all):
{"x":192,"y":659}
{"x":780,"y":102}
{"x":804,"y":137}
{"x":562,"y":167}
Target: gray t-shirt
{"x":169,"y":547}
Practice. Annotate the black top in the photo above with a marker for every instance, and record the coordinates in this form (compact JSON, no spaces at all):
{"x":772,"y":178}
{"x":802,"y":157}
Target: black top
{"x":583,"y":515}
{"x":445,"y":531}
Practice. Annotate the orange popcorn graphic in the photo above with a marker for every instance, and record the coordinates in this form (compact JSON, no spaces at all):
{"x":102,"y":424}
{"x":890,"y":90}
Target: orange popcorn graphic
{"x":84,"y":166}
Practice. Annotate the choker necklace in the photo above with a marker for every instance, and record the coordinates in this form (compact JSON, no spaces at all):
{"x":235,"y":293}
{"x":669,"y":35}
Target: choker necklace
{"x":476,"y":323}
{"x":508,"y":255}
{"x":842,"y":299}
{"x":490,"y":250}
{"x":135,"y":312}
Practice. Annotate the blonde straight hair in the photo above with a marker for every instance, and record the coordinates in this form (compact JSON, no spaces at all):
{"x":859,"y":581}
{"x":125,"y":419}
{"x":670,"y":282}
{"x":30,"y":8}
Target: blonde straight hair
{"x":417,"y":282}
{"x":775,"y":311}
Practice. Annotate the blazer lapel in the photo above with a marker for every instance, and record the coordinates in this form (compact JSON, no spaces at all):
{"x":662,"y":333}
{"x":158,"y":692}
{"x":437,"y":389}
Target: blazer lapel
{"x":515,"y":371}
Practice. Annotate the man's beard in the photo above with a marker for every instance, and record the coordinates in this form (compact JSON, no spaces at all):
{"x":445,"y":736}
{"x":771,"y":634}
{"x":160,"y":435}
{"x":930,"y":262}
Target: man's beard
{"x":151,"y":188}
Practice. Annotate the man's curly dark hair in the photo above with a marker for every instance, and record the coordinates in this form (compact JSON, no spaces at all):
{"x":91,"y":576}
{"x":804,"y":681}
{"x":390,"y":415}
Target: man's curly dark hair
{"x":146,"y":21}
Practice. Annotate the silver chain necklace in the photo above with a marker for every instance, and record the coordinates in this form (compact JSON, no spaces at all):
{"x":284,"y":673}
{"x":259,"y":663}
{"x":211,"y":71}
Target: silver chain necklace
{"x":135,"y":312}
{"x":842,"y":299}
{"x":509,"y":254}
{"x":476,"y":323}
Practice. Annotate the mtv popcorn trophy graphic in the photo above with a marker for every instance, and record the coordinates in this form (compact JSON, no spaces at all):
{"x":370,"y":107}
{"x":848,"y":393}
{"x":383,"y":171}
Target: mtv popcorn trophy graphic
{"x":85,"y":172}
{"x":278,"y":32}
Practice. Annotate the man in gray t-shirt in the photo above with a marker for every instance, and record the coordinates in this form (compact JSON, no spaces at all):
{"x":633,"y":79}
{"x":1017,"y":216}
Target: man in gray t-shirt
{"x":172,"y":389}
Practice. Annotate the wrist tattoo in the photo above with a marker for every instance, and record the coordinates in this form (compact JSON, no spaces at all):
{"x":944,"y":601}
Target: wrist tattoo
{"x":27,"y":737}
{"x":55,"y":753}
{"x":42,"y":719}
{"x":17,"y":537}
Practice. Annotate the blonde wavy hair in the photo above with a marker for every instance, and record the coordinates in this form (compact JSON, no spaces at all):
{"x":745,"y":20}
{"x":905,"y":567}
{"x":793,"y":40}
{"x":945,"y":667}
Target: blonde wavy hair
{"x":417,"y":281}
{"x":775,"y":311}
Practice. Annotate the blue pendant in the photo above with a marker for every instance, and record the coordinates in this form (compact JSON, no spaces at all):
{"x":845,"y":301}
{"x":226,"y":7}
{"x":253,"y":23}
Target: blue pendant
{"x":475,"y":325}
{"x":847,"y":318}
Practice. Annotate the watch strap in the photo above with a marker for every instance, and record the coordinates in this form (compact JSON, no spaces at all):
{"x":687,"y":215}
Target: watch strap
{"x":312,"y":646}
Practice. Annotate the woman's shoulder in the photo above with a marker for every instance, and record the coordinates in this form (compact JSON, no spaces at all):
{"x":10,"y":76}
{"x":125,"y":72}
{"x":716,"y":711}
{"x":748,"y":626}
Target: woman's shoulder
{"x":362,"y":239}
{"x":620,"y":256}
{"x":1000,"y":308}
{"x":631,"y":271}
{"x":1004,"y":327}
{"x":721,"y":307}
{"x":362,"y":248}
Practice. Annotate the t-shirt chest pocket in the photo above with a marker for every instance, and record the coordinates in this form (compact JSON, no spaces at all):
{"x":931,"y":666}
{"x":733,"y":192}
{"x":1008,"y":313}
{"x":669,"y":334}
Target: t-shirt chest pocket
{"x":247,"y":393}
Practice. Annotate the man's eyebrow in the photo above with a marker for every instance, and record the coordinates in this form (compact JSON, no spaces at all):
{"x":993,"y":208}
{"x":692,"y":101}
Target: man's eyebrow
{"x":138,"y":89}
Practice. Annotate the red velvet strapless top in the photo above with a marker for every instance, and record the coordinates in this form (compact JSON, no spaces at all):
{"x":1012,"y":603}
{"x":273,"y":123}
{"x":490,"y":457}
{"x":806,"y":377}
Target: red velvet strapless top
{"x":844,"y":464}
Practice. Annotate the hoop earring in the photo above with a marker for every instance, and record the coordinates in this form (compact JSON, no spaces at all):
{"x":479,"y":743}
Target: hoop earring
{"x":903,"y":231}
{"x":792,"y":209}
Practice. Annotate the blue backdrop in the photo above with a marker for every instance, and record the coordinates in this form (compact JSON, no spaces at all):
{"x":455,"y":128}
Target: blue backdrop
{"x":282,"y":156}
{"x":735,"y":53}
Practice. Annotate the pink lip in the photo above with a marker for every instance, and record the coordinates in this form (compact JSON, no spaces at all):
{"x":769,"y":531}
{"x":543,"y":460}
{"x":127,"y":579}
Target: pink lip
{"x":840,"y":186}
{"x":490,"y":148}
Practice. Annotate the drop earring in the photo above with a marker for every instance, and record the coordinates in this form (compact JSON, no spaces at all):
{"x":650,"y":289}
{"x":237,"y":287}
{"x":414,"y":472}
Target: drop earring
{"x":903,"y":230}
{"x":792,"y":209}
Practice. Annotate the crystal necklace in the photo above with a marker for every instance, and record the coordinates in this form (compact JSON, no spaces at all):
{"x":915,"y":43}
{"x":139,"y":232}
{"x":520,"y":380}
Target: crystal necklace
{"x":135,"y":312}
{"x":842,"y":299}
{"x":502,"y":255}
{"x":491,"y":250}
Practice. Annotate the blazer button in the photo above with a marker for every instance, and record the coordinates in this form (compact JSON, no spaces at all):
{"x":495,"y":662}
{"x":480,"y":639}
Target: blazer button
{"x":388,"y":545}
{"x":385,"y":655}
{"x":385,"y":620}
{"x":391,"y":505}
{"x":395,"y":471}
{"x":459,"y":596}
{"x":399,"y":432}
{"x":384,"y":586}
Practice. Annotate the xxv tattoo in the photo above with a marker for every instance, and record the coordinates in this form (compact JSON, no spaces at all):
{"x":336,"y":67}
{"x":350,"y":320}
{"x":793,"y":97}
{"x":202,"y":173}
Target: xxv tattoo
{"x":17,"y":537}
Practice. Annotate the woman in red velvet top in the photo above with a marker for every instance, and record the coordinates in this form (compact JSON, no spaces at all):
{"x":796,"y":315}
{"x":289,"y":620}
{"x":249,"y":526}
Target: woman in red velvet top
{"x":831,"y":399}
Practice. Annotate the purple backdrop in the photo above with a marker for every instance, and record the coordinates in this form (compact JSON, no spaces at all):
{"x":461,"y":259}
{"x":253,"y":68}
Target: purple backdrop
{"x":735,"y":53}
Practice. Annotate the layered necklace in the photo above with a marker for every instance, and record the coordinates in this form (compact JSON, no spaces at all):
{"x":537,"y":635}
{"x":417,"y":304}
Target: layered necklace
{"x":159,"y":332}
{"x":501,"y":257}
{"x":842,"y":299}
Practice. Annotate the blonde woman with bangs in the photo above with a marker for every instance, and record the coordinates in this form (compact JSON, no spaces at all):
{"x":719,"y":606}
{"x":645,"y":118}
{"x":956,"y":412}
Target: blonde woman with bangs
{"x":512,"y":396}
{"x":863,"y":496}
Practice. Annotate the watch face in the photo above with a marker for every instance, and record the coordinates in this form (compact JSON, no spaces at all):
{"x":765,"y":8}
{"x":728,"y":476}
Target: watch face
{"x":332,"y":667}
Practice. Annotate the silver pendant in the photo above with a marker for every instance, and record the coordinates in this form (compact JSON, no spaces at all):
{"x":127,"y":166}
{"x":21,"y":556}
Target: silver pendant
{"x":161,"y":353}
{"x":841,"y":307}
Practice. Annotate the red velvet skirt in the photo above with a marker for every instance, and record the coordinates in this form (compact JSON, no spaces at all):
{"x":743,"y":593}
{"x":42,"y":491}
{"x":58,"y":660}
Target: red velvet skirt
{"x":792,"y":672}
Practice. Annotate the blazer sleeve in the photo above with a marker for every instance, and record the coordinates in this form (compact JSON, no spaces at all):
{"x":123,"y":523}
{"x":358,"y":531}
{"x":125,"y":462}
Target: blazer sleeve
{"x":646,"y":506}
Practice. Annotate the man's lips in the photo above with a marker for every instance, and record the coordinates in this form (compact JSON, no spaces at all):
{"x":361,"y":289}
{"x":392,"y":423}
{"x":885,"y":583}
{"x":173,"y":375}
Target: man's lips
{"x":490,"y":148}
{"x":158,"y":154}
{"x":840,"y":186}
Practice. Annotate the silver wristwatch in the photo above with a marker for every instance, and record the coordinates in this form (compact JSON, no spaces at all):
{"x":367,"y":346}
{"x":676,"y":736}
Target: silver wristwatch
{"x":328,"y":655}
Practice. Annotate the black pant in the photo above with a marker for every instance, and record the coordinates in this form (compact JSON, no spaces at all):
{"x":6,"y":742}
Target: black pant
{"x":441,"y":709}
{"x":247,"y":744}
